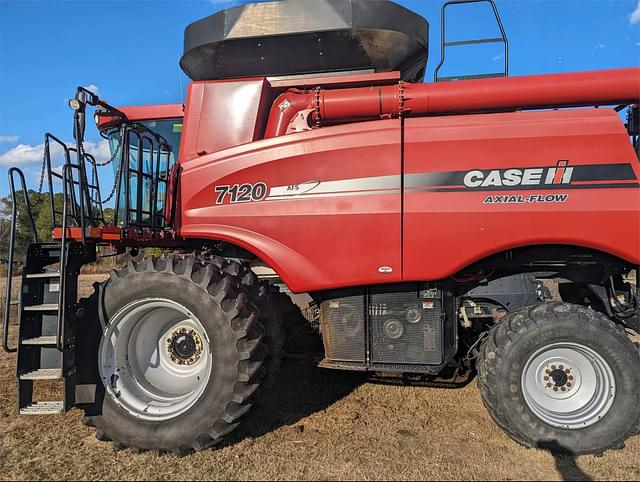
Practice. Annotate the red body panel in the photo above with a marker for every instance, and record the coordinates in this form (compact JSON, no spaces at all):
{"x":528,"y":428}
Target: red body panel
{"x":145,"y":112}
{"x":222,"y":114}
{"x":313,"y":242}
{"x":340,"y":238}
{"x":446,"y":231}
{"x":350,"y":204}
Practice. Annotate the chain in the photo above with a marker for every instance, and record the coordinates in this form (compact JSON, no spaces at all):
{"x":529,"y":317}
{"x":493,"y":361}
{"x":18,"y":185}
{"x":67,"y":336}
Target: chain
{"x":45,"y":158}
{"x":117,"y":173}
{"x":113,"y":189}
{"x":113,"y":156}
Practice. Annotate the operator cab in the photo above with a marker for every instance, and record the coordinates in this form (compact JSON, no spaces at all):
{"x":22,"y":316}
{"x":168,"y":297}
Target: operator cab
{"x":152,"y":138}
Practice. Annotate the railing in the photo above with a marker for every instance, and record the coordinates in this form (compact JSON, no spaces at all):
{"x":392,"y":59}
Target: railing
{"x":12,"y":240}
{"x":142,"y":179}
{"x":81,"y":197}
{"x":444,"y":44}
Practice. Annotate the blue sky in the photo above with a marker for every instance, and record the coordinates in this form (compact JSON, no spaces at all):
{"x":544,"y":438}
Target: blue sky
{"x":128,"y":51}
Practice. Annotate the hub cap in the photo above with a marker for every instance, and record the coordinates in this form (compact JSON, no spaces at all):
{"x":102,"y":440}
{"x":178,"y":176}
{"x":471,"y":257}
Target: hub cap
{"x":568,"y":385}
{"x":155,"y":359}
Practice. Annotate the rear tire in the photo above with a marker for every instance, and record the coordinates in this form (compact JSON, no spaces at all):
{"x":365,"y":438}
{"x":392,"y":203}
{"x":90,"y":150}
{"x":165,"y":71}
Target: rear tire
{"x":213,"y":296}
{"x":561,"y":377}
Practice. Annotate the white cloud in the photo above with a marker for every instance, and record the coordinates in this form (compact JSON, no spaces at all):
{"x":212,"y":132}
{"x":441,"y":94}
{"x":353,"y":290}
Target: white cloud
{"x":635,"y":15}
{"x":8,"y":138}
{"x":93,"y":88}
{"x":30,"y":154}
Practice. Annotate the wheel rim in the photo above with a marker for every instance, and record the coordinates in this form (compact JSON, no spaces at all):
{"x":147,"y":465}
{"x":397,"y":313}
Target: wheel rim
{"x":568,"y":385}
{"x":155,"y":359}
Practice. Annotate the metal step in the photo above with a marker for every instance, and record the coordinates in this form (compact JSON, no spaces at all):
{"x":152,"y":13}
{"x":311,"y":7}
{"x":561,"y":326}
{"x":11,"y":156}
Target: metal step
{"x":45,"y":307}
{"x":43,"y":374}
{"x":42,"y":408}
{"x":40,"y":340}
{"x":47,"y":274}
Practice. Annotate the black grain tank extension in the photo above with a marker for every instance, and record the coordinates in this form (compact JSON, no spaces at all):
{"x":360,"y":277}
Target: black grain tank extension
{"x":297,"y":37}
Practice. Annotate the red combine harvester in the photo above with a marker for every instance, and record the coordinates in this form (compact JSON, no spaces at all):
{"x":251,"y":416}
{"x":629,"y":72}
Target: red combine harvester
{"x":477,"y":224}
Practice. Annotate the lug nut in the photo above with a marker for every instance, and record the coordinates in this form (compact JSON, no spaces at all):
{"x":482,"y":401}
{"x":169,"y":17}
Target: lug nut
{"x":546,"y":378}
{"x":563,"y":389}
{"x":570,"y":377}
{"x":569,"y":384}
{"x":553,"y":367}
{"x":568,"y":371}
{"x":561,"y":367}
{"x":548,"y":385}
{"x":555,"y":389}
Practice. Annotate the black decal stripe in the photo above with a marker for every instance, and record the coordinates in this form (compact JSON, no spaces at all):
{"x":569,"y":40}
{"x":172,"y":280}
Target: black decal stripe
{"x":536,"y":187}
{"x":603,"y":172}
{"x":581,"y":172}
{"x":585,"y":176}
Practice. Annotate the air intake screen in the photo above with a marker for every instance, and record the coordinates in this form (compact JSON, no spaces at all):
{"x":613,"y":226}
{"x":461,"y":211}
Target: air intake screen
{"x":406,"y":326}
{"x":343,"y":328}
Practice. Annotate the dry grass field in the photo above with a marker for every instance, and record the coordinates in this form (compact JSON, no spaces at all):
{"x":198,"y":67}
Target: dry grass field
{"x":314,"y":424}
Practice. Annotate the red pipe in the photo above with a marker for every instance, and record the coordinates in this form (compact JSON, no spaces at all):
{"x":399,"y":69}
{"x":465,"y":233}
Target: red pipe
{"x":604,"y":87}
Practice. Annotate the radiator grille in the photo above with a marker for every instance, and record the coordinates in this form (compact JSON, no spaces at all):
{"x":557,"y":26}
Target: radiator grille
{"x":406,"y":327}
{"x":343,"y":328}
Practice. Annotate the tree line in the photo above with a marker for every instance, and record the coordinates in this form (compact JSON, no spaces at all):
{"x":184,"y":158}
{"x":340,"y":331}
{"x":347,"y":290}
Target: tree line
{"x":41,"y":210}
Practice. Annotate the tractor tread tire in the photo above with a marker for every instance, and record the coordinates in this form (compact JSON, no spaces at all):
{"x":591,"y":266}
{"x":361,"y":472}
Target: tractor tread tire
{"x":499,"y":357}
{"x":230,"y":287}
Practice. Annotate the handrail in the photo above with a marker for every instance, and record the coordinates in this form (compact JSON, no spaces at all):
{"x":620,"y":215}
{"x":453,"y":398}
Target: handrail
{"x":12,"y":236}
{"x":444,"y":44}
{"x":67,"y":173}
{"x":47,"y":138}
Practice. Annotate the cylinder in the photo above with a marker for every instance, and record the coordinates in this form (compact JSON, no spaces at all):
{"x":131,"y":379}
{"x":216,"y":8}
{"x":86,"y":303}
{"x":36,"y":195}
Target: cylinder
{"x":604,"y":87}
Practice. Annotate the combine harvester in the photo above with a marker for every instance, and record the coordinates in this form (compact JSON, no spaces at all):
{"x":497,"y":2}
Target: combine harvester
{"x":426,"y":220}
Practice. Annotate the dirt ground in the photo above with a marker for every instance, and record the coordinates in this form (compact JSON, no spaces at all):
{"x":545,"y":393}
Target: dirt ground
{"x":314,"y":424}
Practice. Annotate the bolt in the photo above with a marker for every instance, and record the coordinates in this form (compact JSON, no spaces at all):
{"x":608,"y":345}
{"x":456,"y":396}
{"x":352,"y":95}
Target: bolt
{"x":547,"y":372}
{"x":553,"y":367}
{"x":570,"y":377}
{"x":548,"y":385}
{"x":563,"y":389}
{"x":555,"y":389}
{"x":569,"y":384}
{"x":561,"y":367}
{"x":546,"y":378}
{"x":568,"y":371}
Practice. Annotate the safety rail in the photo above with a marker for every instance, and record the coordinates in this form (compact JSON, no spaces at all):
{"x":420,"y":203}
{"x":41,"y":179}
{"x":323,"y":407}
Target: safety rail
{"x":444,"y":44}
{"x":141,"y":186}
{"x":85,"y":189}
{"x":148,"y":172}
{"x":12,"y":240}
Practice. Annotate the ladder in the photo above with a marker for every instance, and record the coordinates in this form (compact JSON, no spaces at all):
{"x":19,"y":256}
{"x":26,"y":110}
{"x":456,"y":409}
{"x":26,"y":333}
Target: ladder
{"x":46,"y":317}
{"x":48,"y":297}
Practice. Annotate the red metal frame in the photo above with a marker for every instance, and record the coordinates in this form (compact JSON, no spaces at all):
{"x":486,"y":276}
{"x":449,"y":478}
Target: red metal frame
{"x":344,"y":205}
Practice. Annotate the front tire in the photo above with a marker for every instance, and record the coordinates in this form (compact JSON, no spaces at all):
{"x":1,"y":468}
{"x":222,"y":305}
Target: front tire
{"x":182,"y":354}
{"x":561,"y":377}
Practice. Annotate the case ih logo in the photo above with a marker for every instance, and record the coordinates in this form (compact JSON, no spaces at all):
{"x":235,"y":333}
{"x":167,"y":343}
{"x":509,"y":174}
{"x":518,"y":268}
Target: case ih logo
{"x":561,"y":174}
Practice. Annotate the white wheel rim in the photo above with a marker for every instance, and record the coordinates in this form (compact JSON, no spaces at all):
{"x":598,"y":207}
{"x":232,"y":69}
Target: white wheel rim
{"x":568,"y":385}
{"x":144,"y":359}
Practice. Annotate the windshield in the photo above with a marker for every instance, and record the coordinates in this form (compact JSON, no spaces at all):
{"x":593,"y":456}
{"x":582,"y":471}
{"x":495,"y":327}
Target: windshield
{"x":150,"y":176}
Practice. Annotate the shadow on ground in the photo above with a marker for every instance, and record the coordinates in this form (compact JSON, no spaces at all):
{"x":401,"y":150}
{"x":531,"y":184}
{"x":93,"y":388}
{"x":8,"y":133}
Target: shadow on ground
{"x":300,"y":389}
